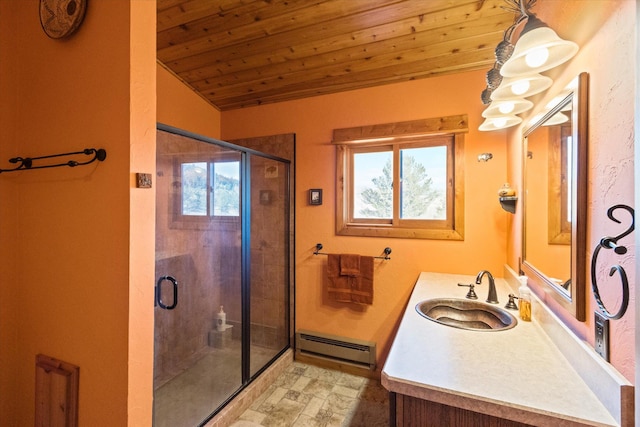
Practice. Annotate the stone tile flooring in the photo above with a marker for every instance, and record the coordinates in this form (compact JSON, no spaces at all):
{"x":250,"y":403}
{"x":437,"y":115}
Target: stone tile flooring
{"x":309,"y":396}
{"x":209,"y":379}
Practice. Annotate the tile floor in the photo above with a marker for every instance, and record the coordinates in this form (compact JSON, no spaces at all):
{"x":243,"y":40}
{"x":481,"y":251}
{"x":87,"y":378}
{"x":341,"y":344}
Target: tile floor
{"x":208,"y":379}
{"x":305,"y":395}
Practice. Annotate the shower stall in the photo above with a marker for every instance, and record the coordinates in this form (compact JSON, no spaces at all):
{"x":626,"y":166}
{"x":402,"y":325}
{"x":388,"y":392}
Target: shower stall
{"x":223,"y":272}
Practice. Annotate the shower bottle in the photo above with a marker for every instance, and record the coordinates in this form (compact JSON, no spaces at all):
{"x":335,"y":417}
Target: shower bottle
{"x":221,"y":322}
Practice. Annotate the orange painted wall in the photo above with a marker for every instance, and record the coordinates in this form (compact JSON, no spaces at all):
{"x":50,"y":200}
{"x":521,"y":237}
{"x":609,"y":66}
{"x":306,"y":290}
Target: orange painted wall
{"x":313,"y":120}
{"x":603,"y":30}
{"x":142,"y":205}
{"x":180,"y":107}
{"x":70,"y":262}
{"x":9,"y":288}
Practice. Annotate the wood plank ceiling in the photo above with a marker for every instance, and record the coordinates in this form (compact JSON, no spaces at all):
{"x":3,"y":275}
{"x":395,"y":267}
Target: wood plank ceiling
{"x":239,"y":53}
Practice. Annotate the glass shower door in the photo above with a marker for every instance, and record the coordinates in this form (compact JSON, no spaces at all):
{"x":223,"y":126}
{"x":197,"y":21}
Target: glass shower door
{"x":198,"y":312}
{"x":269,"y":273}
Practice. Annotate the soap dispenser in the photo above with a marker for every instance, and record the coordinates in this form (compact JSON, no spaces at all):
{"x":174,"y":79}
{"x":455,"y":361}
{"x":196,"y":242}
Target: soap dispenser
{"x":525,"y":299}
{"x":221,"y":323}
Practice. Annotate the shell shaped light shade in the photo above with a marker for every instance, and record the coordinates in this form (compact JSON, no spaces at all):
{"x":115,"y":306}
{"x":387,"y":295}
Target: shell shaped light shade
{"x":538,"y":49}
{"x":507,"y":107}
{"x":497,"y":123}
{"x":523,"y":86}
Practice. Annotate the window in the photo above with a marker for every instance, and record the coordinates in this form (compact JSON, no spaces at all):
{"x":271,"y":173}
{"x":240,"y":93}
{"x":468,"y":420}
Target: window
{"x":403,"y":184}
{"x":208,"y":190}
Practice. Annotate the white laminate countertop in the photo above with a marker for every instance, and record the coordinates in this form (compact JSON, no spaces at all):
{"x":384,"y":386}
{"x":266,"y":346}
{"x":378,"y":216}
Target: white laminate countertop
{"x":517,"y":374}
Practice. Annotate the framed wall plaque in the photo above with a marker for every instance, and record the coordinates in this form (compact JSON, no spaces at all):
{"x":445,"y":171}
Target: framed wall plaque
{"x":315,"y":196}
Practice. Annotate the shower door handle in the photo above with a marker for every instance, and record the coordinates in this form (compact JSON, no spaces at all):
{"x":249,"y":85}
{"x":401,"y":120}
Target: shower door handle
{"x":159,"y":301}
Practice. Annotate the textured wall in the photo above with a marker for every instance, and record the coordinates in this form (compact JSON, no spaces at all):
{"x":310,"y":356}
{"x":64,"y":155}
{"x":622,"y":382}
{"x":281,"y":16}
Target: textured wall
{"x":79,"y":288}
{"x":604,"y":32}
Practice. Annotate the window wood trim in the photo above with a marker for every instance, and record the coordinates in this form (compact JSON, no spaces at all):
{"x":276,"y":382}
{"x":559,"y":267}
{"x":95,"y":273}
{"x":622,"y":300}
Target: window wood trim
{"x":403,"y":131}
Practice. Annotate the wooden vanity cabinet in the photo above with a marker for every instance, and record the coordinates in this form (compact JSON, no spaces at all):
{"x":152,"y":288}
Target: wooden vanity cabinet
{"x":408,"y":411}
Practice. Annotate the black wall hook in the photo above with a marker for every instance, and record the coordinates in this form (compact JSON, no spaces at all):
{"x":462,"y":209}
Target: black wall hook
{"x":609,"y":242}
{"x":26,"y":163}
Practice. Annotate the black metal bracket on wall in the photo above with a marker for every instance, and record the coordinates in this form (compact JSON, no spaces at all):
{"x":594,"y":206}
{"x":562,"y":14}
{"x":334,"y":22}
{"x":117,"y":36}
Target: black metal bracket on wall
{"x":26,"y":163}
{"x":609,"y":242}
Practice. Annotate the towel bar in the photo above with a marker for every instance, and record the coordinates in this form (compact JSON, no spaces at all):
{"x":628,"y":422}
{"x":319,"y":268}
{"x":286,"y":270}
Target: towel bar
{"x":387,"y":252}
{"x":26,"y":163}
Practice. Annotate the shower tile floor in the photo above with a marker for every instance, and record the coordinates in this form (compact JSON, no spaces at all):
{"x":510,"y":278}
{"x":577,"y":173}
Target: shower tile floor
{"x":305,"y":395}
{"x":189,"y":397}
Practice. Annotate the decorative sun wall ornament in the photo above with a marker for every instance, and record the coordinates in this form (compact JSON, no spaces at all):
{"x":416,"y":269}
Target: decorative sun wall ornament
{"x":61,"y":18}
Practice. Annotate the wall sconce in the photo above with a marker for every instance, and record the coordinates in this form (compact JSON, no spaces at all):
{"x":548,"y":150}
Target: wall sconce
{"x":515,"y":74}
{"x":507,"y":106}
{"x":523,"y":86}
{"x":502,"y":122}
{"x":538,"y":49}
{"x":485,"y":157}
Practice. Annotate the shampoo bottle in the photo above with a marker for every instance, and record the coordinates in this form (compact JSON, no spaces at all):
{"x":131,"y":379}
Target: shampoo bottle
{"x":221,"y":323}
{"x":525,"y":299}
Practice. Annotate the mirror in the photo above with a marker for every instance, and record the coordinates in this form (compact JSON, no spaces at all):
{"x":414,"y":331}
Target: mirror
{"x":555,"y":198}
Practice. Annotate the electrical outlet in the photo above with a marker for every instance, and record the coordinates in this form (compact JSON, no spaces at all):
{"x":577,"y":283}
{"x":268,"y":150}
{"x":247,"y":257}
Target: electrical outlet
{"x":602,"y":336}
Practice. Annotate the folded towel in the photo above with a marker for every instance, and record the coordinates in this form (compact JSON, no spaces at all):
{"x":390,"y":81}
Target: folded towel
{"x":362,"y":289}
{"x":338,"y":287}
{"x":354,"y":288}
{"x":349,"y":265}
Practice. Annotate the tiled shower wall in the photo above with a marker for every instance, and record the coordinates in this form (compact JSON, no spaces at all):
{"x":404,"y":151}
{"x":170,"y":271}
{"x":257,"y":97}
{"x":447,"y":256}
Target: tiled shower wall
{"x":209,"y":260}
{"x":268,"y":255}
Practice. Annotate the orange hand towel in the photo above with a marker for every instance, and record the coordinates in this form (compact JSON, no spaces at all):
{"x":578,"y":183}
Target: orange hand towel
{"x":362,"y":286}
{"x":349,"y":265}
{"x":350,"y":288}
{"x":338,"y":286}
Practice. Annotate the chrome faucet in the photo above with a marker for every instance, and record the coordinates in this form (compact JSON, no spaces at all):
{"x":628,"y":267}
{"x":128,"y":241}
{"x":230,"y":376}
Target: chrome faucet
{"x":492,"y":297}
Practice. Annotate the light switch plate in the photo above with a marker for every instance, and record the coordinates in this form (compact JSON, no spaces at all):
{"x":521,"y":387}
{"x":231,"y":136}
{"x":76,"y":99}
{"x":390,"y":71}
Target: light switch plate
{"x":602,"y":336}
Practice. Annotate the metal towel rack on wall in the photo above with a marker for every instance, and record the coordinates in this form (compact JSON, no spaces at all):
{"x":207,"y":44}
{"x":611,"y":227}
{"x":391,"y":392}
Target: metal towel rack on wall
{"x":26,"y":163}
{"x":387,"y":252}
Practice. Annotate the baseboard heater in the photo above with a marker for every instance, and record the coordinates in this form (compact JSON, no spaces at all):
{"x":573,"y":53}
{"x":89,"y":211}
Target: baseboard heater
{"x":340,"y":349}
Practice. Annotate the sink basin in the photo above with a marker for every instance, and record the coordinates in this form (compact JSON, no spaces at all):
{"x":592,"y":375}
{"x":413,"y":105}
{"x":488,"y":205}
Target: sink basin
{"x":466,"y":314}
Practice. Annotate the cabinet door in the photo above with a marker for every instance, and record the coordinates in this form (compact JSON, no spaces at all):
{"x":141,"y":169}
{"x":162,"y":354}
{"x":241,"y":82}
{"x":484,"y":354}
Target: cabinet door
{"x":414,"y":412}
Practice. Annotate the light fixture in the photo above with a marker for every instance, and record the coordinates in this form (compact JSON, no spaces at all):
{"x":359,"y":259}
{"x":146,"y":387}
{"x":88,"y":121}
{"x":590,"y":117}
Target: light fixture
{"x":538,"y":49}
{"x":494,"y":78}
{"x":502,"y":53}
{"x":524,"y":86}
{"x":507,"y":106}
{"x":485,"y":157}
{"x":502,"y":122}
{"x":516,"y":73}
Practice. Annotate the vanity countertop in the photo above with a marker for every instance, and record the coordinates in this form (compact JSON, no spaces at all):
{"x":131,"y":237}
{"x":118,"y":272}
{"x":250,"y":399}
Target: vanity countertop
{"x":517,"y":374}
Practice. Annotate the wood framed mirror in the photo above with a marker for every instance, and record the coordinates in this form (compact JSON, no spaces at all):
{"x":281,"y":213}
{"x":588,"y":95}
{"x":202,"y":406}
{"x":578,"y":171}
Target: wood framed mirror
{"x":555,"y":199}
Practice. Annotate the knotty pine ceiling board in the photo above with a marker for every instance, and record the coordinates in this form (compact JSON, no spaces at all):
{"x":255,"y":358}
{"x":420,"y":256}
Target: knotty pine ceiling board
{"x":238,"y":53}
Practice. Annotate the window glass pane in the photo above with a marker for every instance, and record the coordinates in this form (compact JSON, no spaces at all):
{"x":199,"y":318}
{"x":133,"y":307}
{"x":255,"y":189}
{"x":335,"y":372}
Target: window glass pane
{"x":424,"y":183}
{"x":226,"y":188}
{"x":373,"y":185}
{"x":194,"y":188}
